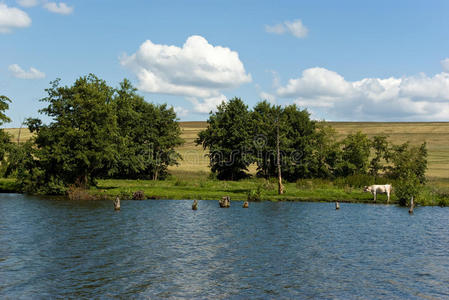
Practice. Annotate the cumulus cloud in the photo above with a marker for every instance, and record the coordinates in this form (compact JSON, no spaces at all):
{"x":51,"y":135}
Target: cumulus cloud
{"x":59,"y":8}
{"x":32,"y":73}
{"x":197,"y":69}
{"x":267,"y":96}
{"x":296,"y":28}
{"x":181,"y":111}
{"x":327,"y":93}
{"x":445,"y":64}
{"x":27,"y":3}
{"x":12,"y":17}
{"x":207,"y":105}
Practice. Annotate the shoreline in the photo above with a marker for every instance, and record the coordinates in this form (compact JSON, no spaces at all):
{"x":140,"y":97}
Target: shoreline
{"x":433,"y":194}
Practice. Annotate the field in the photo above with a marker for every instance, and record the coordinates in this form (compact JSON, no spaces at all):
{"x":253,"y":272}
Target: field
{"x":435,"y":134}
{"x":190,"y":179}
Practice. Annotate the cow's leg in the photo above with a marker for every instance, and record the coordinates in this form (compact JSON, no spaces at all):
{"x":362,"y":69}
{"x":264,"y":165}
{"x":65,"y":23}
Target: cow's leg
{"x":388,"y":196}
{"x":375,"y":196}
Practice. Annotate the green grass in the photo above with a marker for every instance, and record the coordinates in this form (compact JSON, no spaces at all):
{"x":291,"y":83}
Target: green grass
{"x":209,"y":189}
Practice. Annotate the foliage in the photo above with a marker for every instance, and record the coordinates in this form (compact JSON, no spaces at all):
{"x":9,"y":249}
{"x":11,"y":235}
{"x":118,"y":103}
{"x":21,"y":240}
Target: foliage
{"x":263,"y":119}
{"x":255,"y":194}
{"x":406,"y":159}
{"x":297,"y":143}
{"x":149,"y":134}
{"x":80,"y":144}
{"x":326,"y":151}
{"x":380,"y":145}
{"x":408,"y":186}
{"x":355,"y":155}
{"x":228,"y":138}
{"x":4,"y":106}
{"x":4,"y":136}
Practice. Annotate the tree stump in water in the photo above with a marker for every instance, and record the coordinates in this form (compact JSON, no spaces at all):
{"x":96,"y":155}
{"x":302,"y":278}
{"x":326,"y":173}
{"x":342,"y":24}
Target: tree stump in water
{"x":412,"y":206}
{"x":225,"y":201}
{"x":337,"y":205}
{"x":245,"y":204}
{"x":139,"y":195}
{"x":195,"y":205}
{"x":117,"y":203}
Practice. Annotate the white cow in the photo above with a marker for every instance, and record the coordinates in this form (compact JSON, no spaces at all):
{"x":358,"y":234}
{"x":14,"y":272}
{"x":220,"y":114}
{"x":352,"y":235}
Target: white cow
{"x":379,"y":189}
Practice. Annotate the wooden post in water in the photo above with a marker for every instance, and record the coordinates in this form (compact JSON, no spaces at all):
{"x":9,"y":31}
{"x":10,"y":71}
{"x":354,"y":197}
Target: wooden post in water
{"x":245,"y":204}
{"x":412,"y":206}
{"x":195,"y":205}
{"x":280,"y":186}
{"x":337,"y":205}
{"x":117,"y":203}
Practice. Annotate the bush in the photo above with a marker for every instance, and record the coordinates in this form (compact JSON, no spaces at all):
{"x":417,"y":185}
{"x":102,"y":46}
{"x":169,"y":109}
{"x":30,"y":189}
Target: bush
{"x":255,"y":195}
{"x":139,"y":195}
{"x":407,"y":187}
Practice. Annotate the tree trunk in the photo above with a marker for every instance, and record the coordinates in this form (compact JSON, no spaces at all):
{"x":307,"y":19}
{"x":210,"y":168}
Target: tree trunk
{"x":412,"y":206}
{"x":280,"y":186}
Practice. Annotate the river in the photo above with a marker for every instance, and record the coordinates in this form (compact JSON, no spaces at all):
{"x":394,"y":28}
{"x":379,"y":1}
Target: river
{"x":162,"y":249}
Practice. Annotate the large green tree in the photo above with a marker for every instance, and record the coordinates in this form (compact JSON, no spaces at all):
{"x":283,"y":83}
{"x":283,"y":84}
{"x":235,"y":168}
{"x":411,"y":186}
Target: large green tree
{"x":355,"y":157}
{"x":229,"y":140}
{"x":264,"y":121}
{"x":149,"y":134}
{"x":81,"y":142}
{"x":297,"y":143}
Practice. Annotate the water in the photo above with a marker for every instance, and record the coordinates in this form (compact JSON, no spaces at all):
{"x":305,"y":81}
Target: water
{"x":158,"y":249}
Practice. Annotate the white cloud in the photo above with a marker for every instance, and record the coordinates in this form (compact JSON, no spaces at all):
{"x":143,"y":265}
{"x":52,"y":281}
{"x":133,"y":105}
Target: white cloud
{"x":267,"y":96}
{"x":12,"y":17}
{"x":276,"y":29}
{"x":445,"y":64}
{"x":27,"y":3}
{"x":208,"y":104}
{"x":413,"y":98}
{"x":181,"y":111}
{"x":32,"y":73}
{"x":59,"y":8}
{"x":197,"y":69}
{"x":296,"y":28}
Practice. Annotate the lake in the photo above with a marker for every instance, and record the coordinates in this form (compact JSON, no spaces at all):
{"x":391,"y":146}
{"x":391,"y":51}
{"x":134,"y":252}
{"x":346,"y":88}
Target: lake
{"x":163,"y":249}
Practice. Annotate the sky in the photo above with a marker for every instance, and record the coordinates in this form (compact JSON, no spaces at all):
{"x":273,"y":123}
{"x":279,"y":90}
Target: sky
{"x":340,"y":60}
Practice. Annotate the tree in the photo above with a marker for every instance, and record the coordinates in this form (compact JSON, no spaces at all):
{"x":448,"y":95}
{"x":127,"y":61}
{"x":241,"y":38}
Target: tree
{"x":80,"y":143}
{"x":264,"y":118}
{"x":406,"y":159}
{"x":380,"y":147}
{"x":5,"y":138}
{"x":355,"y":156}
{"x":298,"y":131}
{"x":228,"y":139}
{"x":326,"y":151}
{"x":149,"y":134}
{"x":407,"y":187}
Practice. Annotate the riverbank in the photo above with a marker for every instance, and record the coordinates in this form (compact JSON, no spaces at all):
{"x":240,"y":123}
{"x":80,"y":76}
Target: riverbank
{"x":435,"y":193}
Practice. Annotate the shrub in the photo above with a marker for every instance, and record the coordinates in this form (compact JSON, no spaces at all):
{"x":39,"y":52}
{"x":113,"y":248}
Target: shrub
{"x":407,"y":187}
{"x":139,"y":195}
{"x":255,"y":195}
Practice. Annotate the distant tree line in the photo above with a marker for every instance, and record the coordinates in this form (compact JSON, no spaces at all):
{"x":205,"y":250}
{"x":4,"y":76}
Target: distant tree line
{"x":237,"y":137}
{"x":96,"y":131}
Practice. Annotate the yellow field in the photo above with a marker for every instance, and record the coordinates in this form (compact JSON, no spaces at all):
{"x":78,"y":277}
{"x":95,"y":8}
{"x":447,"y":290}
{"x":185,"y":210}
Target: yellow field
{"x":435,"y":134}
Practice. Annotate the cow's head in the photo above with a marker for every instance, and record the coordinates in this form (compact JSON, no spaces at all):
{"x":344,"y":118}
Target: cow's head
{"x":367,"y":188}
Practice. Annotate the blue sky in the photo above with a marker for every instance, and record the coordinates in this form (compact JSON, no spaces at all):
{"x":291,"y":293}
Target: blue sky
{"x":342,"y":60}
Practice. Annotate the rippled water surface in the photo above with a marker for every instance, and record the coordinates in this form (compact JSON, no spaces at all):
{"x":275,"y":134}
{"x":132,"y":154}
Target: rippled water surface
{"x":158,"y":249}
